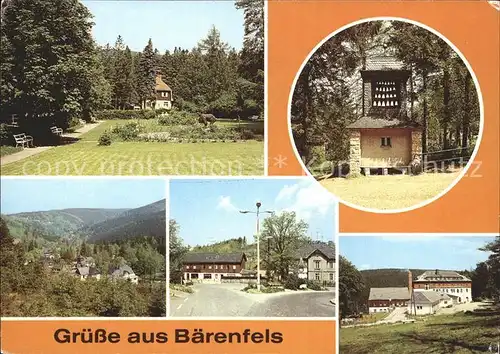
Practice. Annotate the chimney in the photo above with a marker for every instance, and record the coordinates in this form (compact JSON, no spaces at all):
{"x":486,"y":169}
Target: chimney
{"x":410,"y":281}
{"x":436,"y":272}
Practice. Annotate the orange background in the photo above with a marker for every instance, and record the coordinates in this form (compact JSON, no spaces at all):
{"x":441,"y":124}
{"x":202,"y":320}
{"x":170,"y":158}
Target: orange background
{"x":295,"y":28}
{"x":29,"y":337}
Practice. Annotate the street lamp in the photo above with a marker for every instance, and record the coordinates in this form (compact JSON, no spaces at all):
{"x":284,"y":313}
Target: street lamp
{"x":257,"y":212}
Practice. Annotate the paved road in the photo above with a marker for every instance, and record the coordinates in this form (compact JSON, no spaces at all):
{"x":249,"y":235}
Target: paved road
{"x":227,"y":300}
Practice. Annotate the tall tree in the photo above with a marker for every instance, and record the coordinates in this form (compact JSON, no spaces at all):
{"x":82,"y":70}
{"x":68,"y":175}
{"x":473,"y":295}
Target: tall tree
{"x":146,"y":74}
{"x":176,"y":251}
{"x":351,"y":287}
{"x":286,"y":234}
{"x":45,"y":61}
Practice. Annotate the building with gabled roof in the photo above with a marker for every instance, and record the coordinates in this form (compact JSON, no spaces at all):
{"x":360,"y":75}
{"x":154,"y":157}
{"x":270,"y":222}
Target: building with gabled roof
{"x":211,"y":266}
{"x":385,"y":299}
{"x":384,"y":136}
{"x":124,"y":272}
{"x":316,"y":261}
{"x":428,"y":302}
{"x":445,"y":282}
{"x":162,"y":95}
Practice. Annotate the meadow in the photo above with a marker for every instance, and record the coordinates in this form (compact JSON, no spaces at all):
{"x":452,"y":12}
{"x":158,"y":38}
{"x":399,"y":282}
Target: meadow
{"x":86,"y":157}
{"x":469,"y":332}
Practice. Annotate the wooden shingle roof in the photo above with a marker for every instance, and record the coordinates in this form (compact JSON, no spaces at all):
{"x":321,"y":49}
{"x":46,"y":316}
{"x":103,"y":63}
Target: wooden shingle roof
{"x":383,"y":63}
{"x":161,"y":85}
{"x":373,"y":122}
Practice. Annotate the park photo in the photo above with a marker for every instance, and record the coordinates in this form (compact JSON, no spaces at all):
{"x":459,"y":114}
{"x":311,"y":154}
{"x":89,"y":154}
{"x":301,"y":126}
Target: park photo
{"x":419,"y":294}
{"x":386,"y":115}
{"x":83,"y":248}
{"x":258,"y":248}
{"x":165,"y":88}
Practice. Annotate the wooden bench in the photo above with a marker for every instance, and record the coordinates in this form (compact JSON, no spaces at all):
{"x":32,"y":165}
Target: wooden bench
{"x":23,"y":140}
{"x":56,"y":130}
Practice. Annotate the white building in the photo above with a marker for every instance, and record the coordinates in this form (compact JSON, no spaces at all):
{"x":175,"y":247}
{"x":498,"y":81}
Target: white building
{"x":451,"y":283}
{"x":428,"y":302}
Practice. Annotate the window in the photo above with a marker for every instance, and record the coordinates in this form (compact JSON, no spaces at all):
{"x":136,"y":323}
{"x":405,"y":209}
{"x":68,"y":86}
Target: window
{"x":207,"y":276}
{"x":209,"y":267}
{"x":216,"y":266}
{"x":187,"y":267}
{"x":234,"y":267}
{"x":194,"y":267}
{"x":419,"y":307}
{"x":316,"y":264}
{"x":330,"y":264}
{"x":331,"y":276}
{"x":316,"y":276}
{"x":385,"y":141}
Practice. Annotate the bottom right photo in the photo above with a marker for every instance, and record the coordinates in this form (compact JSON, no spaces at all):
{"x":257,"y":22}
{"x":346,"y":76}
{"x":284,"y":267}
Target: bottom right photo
{"x":419,"y":294}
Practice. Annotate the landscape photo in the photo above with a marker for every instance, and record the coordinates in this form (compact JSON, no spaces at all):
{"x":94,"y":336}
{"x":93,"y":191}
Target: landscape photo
{"x":419,"y":294}
{"x":87,"y":92}
{"x":386,"y":115}
{"x":83,"y":248}
{"x":257,"y":248}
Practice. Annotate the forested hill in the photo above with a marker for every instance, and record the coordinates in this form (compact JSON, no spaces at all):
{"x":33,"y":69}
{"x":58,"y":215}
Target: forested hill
{"x":53,"y":224}
{"x":148,"y":220}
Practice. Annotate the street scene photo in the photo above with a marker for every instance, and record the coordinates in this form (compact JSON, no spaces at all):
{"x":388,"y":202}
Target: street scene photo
{"x":251,"y":247}
{"x":83,"y":248}
{"x":132,"y":88}
{"x":386,"y":115}
{"x":419,"y":294}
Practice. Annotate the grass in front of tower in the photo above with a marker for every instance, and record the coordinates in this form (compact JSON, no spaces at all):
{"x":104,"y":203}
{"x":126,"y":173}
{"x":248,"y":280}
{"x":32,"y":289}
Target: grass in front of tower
{"x":391,"y":191}
{"x":469,"y":332}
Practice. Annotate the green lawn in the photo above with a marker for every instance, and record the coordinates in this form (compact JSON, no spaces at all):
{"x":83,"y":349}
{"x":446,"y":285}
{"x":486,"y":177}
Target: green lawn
{"x":85,"y":157}
{"x":8,"y":150}
{"x":389,"y":192}
{"x":458,"y":333}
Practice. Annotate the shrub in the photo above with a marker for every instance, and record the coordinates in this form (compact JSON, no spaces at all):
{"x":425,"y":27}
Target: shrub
{"x":271,"y":290}
{"x":5,"y":134}
{"x":247,"y":134}
{"x":110,"y":114}
{"x":249,"y":286}
{"x":128,"y":131}
{"x":293,"y":282}
{"x":177,"y":118}
{"x":105,"y":139}
{"x":314,"y":285}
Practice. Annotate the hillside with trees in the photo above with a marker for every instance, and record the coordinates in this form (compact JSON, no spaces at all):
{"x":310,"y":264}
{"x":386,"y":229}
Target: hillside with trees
{"x":46,"y":274}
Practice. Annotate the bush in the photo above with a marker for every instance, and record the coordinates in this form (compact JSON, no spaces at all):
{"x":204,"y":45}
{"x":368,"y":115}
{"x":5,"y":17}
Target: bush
{"x":110,"y":114}
{"x":247,"y":134}
{"x":293,"y":282}
{"x":177,"y":118}
{"x":249,"y":286}
{"x":105,"y":139}
{"x":314,"y":285}
{"x":5,"y":135}
{"x":127,"y":132}
{"x":271,"y":290}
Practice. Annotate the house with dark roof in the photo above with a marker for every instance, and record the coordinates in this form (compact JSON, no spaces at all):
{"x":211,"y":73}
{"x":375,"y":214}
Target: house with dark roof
{"x":451,"y":283}
{"x":124,"y":272}
{"x":162,"y":95}
{"x":384,"y":137}
{"x":386,"y":299}
{"x":209,"y":266}
{"x":85,"y":272}
{"x":316,"y":261}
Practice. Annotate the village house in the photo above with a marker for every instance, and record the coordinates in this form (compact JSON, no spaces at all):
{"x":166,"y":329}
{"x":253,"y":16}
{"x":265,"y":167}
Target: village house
{"x":124,"y":272}
{"x":88,"y":273}
{"x":428,"y":302}
{"x":456,"y":286}
{"x":316,"y":261}
{"x":162,"y":95}
{"x":384,"y":138}
{"x":386,"y":299}
{"x":213,"y":266}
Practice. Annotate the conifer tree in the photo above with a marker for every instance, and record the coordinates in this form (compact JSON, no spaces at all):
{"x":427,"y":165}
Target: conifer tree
{"x":146,"y":74}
